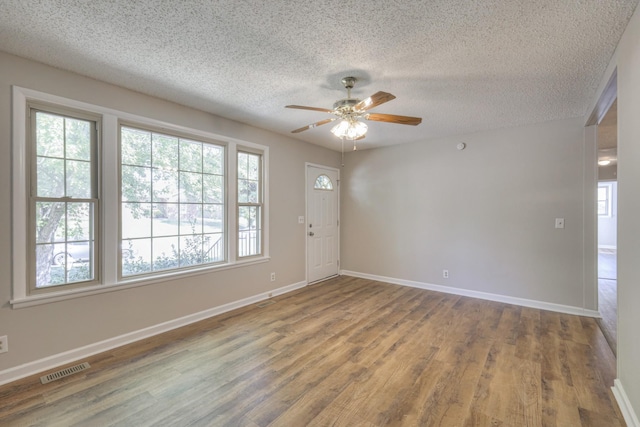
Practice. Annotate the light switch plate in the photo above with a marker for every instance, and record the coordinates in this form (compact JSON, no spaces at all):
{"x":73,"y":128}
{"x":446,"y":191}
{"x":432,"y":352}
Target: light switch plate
{"x":559,"y":222}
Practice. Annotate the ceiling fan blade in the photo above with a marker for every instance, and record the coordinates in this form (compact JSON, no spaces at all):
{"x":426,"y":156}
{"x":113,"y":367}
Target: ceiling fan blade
{"x":302,"y":107}
{"x":313,"y":125}
{"x":373,"y":101}
{"x":392,"y":118}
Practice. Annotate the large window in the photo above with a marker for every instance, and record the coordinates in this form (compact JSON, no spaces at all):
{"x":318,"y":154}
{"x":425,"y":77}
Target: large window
{"x":102,"y":198}
{"x":172,"y":202}
{"x":249,"y":204}
{"x":64,"y":198}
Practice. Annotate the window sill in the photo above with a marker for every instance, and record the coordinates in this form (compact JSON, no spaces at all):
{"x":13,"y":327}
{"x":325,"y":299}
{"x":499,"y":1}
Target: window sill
{"x":46,"y":298}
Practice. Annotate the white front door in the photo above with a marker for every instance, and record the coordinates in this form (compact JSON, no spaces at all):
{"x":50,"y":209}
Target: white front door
{"x":322,"y":223}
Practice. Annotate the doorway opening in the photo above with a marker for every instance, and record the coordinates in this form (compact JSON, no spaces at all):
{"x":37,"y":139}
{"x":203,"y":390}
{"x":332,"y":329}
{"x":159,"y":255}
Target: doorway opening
{"x":607,"y":200}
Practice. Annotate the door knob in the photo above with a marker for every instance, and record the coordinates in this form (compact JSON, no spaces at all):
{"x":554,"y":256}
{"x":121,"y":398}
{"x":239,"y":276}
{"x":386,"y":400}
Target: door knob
{"x":311,"y":233}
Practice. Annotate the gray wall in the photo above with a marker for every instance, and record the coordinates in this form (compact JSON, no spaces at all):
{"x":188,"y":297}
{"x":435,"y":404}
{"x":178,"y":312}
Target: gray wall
{"x":485,"y":213}
{"x":45,"y":330}
{"x":628,"y":63}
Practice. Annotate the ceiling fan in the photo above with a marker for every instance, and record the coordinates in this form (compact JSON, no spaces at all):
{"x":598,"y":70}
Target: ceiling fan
{"x":350,"y":110}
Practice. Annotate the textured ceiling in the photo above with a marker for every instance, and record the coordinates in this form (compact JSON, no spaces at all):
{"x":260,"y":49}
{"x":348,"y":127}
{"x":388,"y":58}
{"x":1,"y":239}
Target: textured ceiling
{"x":462,"y":65}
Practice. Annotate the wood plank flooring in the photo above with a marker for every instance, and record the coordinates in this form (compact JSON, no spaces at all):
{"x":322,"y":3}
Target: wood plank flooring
{"x":608,"y":307}
{"x":345,"y":352}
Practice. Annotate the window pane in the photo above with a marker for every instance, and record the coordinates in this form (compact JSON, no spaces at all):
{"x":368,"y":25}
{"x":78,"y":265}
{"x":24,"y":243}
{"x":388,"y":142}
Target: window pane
{"x":135,"y":147}
{"x":136,"y":184}
{"x":165,"y":253}
{"x":165,"y":185}
{"x":177,"y":186}
{"x":79,"y":217}
{"x":243,"y":165}
{"x":165,"y":152}
{"x":136,"y":256}
{"x":253,"y":166}
{"x":323,"y":182}
{"x":213,"y":159}
{"x":602,"y":193}
{"x":191,"y":250}
{"x":50,"y":174}
{"x":46,"y":273}
{"x":50,"y":222}
{"x":190,"y":187}
{"x":71,"y":258}
{"x":49,"y":135}
{"x":190,"y":156}
{"x":247,"y":191}
{"x":165,"y":219}
{"x":213,"y":248}
{"x":602,"y":207}
{"x":78,"y":179}
{"x":249,"y":231}
{"x":212,"y":188}
{"x":78,"y":139}
{"x":190,"y":219}
{"x":213,"y":218}
{"x":136,"y":220}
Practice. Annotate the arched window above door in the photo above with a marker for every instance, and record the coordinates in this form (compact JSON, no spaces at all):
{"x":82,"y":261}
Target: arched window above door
{"x":323,"y":182}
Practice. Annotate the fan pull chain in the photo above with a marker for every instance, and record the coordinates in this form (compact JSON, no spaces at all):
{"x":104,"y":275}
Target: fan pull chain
{"x":342,"y":139}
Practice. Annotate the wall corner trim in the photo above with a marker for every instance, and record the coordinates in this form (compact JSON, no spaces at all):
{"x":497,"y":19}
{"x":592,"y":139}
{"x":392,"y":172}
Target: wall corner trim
{"x":56,"y":360}
{"x":624,"y":404}
{"x":566,"y":309}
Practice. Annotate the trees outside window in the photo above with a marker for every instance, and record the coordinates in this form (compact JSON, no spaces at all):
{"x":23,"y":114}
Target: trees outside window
{"x":105,"y":197}
{"x":249,"y":204}
{"x":64,"y":198}
{"x":172,"y":202}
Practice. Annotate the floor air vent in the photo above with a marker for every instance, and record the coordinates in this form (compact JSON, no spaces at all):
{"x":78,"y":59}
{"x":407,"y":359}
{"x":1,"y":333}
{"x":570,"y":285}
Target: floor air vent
{"x":265,"y":303}
{"x":64,"y":372}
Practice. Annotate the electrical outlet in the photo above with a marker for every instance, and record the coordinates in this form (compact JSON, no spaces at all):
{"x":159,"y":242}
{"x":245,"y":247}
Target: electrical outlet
{"x":300,"y":219}
{"x":445,"y":274}
{"x":4,"y":344}
{"x":273,"y":277}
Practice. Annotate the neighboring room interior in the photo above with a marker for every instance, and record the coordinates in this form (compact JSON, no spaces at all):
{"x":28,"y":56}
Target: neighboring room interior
{"x":607,"y":223}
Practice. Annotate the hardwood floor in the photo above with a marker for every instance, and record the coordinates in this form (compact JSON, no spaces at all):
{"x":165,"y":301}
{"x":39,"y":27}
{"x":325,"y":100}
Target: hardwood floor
{"x":346,"y":352}
{"x":608,"y":307}
{"x":608,"y":296}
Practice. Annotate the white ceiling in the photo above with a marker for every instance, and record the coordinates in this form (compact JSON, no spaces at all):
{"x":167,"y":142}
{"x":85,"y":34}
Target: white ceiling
{"x":461,"y":65}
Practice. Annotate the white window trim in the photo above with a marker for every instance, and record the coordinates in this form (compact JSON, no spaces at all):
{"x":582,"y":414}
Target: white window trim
{"x":109,"y":161}
{"x":609,"y":187}
{"x":251,"y":150}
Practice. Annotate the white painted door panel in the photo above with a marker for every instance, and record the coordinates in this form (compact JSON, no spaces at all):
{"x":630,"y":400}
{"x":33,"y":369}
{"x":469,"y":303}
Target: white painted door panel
{"x":322,"y":224}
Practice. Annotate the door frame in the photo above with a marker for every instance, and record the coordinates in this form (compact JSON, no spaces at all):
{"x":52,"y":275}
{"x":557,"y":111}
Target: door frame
{"x":306,"y":216}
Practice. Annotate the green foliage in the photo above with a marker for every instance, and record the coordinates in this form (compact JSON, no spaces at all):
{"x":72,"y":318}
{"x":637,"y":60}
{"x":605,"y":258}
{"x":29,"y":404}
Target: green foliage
{"x":197,"y":249}
{"x":161,"y":175}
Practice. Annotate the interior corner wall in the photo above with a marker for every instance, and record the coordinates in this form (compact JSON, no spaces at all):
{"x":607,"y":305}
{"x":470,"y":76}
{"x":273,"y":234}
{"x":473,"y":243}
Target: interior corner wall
{"x":42,"y":331}
{"x":628,"y":66}
{"x":486,"y":213}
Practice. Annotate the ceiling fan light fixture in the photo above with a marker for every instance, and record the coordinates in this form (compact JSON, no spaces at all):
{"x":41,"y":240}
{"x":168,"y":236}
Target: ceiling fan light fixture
{"x":350,"y":129}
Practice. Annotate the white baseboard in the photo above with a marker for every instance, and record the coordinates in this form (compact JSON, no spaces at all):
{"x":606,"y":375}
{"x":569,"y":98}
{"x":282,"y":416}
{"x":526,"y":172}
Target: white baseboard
{"x":51,"y":362}
{"x":567,"y":309}
{"x":628,"y":413}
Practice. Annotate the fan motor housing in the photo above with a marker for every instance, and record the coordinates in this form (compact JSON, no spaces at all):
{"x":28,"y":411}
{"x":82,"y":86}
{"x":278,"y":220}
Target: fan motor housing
{"x":345,"y":104}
